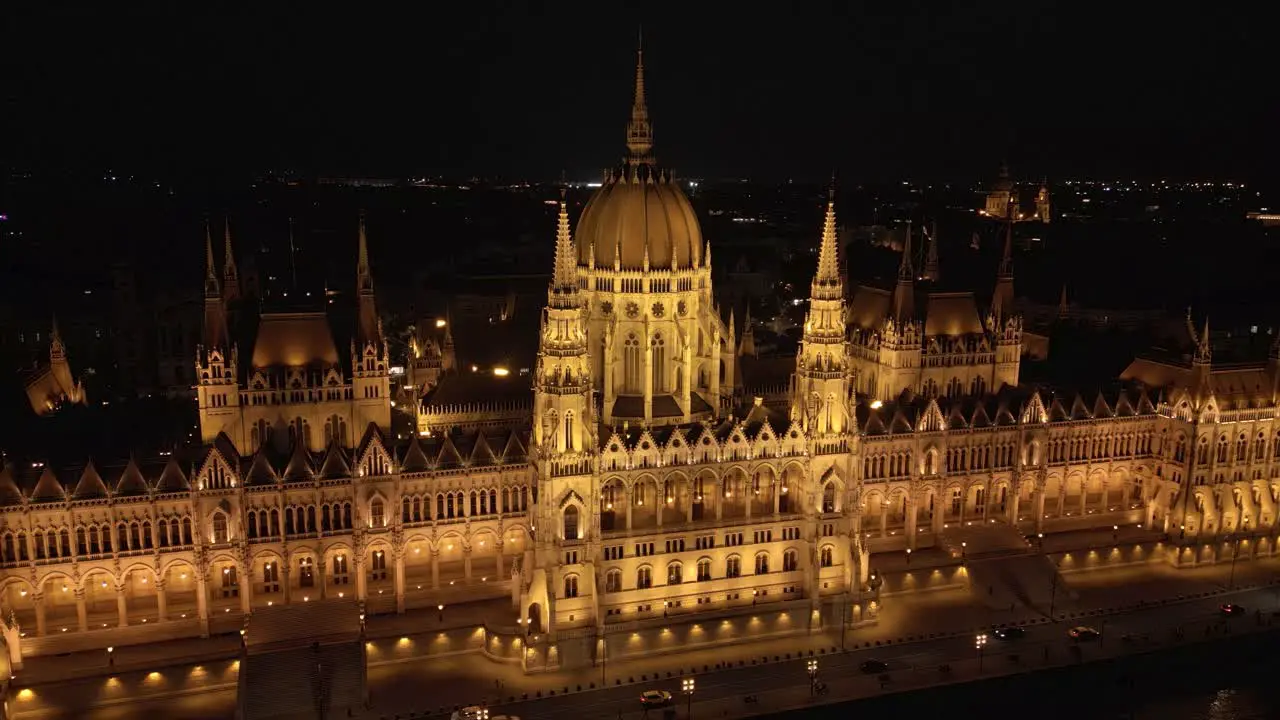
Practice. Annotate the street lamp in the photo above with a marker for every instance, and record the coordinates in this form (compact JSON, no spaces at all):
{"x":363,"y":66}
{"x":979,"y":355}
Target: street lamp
{"x":908,"y":557}
{"x":111,"y":657}
{"x":754,"y":593}
{"x":1040,"y":538}
{"x":979,"y":643}
{"x":1115,"y":533}
{"x":687,"y":687}
{"x":440,"y":609}
{"x":964,"y":551}
{"x":812,"y":666}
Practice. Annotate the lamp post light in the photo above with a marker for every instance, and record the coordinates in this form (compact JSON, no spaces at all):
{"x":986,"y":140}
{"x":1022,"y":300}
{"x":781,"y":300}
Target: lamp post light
{"x":1115,"y":534}
{"x":440,"y":609}
{"x":754,"y":594}
{"x":687,"y":687}
{"x":812,"y":667}
{"x":1040,"y":540}
{"x":979,"y":643}
{"x":964,"y":551}
{"x":111,"y":657}
{"x":908,"y":557}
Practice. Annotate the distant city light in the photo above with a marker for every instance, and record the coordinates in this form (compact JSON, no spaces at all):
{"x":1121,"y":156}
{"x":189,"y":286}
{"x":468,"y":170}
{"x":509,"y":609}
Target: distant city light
{"x":501,"y":372}
{"x":441,"y":322}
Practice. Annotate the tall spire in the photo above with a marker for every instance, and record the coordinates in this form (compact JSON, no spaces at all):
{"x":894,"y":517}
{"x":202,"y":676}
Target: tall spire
{"x":565,"y":278}
{"x":931,"y":255}
{"x":1204,"y":350}
{"x":904,"y":295}
{"x":230,"y":274}
{"x":1002,"y":298}
{"x":57,"y":350}
{"x":639,"y":129}
{"x":906,"y":269}
{"x":364,"y":276}
{"x":369,"y":326}
{"x":211,"y":287}
{"x":826,"y":283}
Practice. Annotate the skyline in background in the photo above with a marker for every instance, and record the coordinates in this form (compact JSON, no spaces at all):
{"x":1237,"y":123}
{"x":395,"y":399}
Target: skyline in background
{"x":1055,"y":89}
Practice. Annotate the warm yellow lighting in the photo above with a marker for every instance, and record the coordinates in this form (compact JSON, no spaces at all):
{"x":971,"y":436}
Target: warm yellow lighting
{"x":501,"y":372}
{"x":441,"y":322}
{"x":876,"y":404}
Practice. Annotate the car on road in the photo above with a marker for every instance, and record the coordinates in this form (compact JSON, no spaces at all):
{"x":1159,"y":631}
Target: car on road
{"x":871,"y":667}
{"x":471,"y":712}
{"x":1008,"y":633}
{"x":1230,"y":609}
{"x":655,"y":698}
{"x":1083,"y":633}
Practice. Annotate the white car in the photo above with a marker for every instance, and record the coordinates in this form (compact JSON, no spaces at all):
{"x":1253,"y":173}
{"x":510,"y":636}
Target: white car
{"x":655,"y":698}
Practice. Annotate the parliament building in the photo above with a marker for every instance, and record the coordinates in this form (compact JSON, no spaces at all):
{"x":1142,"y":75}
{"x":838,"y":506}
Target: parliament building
{"x":648,"y":481}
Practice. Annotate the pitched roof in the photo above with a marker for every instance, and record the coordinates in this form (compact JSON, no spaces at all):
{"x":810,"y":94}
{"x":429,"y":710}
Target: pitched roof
{"x":131,"y":481}
{"x":90,"y":485}
{"x":48,"y":489}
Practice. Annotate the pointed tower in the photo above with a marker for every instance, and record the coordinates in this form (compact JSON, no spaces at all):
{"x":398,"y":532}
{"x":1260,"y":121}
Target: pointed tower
{"x":1004,"y":326}
{"x":370,"y":362}
{"x":217,"y":360}
{"x":1063,"y":306}
{"x":1002,"y":298}
{"x":60,"y":367}
{"x":230,"y":274}
{"x":448,"y":353}
{"x":904,"y":295}
{"x":1042,"y":203}
{"x":639,"y":129}
{"x":747,"y":345}
{"x":1273,"y":367}
{"x":931,"y":255}
{"x":821,"y":390}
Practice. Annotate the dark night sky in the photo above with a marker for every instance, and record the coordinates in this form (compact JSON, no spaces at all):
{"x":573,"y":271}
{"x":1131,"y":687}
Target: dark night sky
{"x":882,"y":91}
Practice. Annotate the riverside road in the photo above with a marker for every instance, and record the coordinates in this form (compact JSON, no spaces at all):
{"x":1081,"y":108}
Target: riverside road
{"x":909,"y":664}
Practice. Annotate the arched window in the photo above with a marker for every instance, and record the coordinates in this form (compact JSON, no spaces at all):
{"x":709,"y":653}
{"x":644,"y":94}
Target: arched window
{"x":659,"y":361}
{"x":829,"y":498}
{"x":733,"y":567}
{"x":568,"y":431}
{"x":571,"y":586}
{"x":675,"y":573}
{"x":644,"y":578}
{"x":377,"y":513}
{"x":613,"y":581}
{"x":762,"y":564}
{"x":704,"y":569}
{"x":1222,"y":449}
{"x":789,"y":561}
{"x":826,"y":556}
{"x":632,"y":366}
{"x":220,"y":534}
{"x":571,"y":523}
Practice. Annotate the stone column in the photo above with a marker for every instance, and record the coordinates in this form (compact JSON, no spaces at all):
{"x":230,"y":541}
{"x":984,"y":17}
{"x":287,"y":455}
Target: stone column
{"x":202,"y":602}
{"x":435,"y":568}
{"x":884,"y":518}
{"x":122,"y":606}
{"x":362,"y":578}
{"x":320,"y":576}
{"x":398,"y":569}
{"x":38,"y":600}
{"x":1039,"y":503}
{"x":246,"y":589}
{"x":286,"y":572}
{"x":629,"y":494}
{"x":466,"y":563}
{"x":498,"y":549}
{"x":82,"y":613}
{"x":648,"y":379}
{"x":911,"y":520}
{"x":162,"y":601}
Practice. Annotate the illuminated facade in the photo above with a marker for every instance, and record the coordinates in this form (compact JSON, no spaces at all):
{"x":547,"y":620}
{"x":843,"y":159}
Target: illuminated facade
{"x":645,"y":486}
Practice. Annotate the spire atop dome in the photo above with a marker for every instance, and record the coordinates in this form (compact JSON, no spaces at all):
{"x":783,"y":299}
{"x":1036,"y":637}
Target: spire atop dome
{"x":639,"y":129}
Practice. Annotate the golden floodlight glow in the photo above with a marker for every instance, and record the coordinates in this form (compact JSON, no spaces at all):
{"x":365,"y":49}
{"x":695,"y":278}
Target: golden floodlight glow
{"x":441,"y":322}
{"x":501,"y":372}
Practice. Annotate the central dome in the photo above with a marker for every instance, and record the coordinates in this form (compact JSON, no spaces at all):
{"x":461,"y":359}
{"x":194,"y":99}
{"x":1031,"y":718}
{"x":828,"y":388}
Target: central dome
{"x":636,"y":211}
{"x":639,"y":209}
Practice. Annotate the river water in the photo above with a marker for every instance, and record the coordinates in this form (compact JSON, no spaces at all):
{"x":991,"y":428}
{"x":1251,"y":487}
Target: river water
{"x":1229,"y":679}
